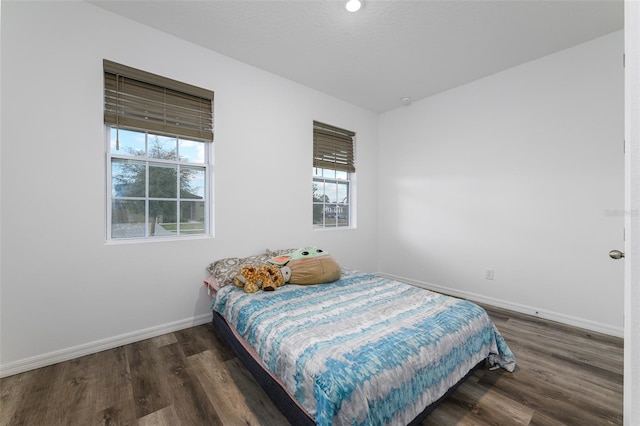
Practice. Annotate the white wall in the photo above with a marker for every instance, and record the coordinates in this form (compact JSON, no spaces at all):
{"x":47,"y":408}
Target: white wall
{"x":521,"y":172}
{"x":64,"y":291}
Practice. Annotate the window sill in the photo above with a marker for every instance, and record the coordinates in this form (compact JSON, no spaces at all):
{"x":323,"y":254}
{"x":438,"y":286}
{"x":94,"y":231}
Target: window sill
{"x":120,"y":241}
{"x":335,"y":228}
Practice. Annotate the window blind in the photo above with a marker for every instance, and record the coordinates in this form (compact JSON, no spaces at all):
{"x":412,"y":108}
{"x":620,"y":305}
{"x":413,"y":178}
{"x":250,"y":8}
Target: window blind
{"x":333,"y":148}
{"x":143,"y":101}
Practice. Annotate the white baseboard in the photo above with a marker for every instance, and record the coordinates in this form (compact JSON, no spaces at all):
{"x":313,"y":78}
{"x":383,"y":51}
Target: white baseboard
{"x":524,"y":309}
{"x":55,"y":357}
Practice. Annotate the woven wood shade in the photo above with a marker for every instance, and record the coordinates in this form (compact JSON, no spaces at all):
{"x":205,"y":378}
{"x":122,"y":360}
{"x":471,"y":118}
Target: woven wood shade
{"x":333,"y":148}
{"x":143,"y":101}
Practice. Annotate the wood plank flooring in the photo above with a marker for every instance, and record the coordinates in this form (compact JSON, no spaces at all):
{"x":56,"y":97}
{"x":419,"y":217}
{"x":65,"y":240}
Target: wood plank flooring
{"x":565,"y":376}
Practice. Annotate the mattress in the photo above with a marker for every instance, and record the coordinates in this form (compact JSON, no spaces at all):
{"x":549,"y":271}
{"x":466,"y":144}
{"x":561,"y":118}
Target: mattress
{"x":365,"y":349}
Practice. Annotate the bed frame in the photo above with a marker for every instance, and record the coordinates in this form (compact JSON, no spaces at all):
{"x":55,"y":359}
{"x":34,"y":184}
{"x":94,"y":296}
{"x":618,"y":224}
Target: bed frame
{"x":289,"y":408}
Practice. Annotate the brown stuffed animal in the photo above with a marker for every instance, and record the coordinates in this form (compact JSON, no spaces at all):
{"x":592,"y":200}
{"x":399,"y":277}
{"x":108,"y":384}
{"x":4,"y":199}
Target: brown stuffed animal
{"x":271,"y":277}
{"x":247,"y":278}
{"x":268,"y":277}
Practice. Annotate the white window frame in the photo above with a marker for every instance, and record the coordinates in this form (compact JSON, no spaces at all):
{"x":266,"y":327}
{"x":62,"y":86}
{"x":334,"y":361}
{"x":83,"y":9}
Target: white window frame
{"x":351,"y":214}
{"x":334,"y":162}
{"x":208,"y":194}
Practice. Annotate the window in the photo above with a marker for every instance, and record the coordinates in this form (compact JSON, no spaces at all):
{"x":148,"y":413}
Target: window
{"x":159,"y":133}
{"x":333,"y":176}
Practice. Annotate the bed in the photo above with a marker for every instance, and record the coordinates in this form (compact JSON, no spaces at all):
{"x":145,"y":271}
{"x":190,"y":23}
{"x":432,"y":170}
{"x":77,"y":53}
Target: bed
{"x":363,"y":350}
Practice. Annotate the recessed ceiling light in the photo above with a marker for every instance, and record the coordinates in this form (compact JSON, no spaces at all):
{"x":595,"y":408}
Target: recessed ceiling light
{"x":353,"y":5}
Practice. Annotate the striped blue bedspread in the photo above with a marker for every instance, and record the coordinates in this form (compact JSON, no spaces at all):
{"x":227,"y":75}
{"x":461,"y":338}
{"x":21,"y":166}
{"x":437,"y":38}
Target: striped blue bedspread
{"x":364,"y":350}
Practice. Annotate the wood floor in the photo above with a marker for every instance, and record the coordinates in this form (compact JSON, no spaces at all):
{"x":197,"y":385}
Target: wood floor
{"x":565,"y":376}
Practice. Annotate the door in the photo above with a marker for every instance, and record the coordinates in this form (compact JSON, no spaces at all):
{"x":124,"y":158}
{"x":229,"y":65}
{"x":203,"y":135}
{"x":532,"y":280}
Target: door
{"x":632,"y":218}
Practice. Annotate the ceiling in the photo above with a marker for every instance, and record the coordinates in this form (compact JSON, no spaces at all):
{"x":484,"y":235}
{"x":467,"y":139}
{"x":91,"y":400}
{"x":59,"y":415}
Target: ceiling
{"x":386,"y":51}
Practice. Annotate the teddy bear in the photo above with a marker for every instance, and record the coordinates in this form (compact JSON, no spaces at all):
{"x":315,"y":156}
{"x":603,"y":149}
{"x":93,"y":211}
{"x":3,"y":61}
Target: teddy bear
{"x":266,"y":277}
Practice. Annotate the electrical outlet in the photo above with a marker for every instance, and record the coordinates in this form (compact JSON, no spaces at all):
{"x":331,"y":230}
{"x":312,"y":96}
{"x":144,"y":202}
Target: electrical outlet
{"x":488,"y":274}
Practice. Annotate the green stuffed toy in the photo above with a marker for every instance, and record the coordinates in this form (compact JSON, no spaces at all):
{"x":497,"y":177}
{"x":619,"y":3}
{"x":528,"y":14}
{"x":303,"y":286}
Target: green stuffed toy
{"x":309,"y":265}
